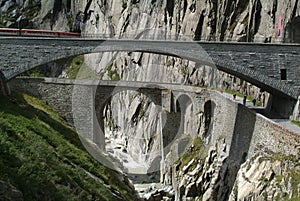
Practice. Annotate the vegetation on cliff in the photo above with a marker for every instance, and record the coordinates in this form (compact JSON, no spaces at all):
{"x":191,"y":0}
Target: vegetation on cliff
{"x":296,"y":123}
{"x":41,"y":156}
{"x":193,"y":152}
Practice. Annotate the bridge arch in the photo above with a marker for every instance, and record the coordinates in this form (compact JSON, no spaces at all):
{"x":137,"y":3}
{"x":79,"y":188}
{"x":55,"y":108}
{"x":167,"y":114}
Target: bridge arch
{"x":184,"y":107}
{"x":182,"y":102}
{"x":209,"y":113}
{"x":103,"y":97}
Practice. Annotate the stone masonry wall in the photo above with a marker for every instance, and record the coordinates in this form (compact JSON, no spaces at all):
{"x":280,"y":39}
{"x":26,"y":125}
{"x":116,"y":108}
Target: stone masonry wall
{"x":55,"y":95}
{"x":244,"y":129}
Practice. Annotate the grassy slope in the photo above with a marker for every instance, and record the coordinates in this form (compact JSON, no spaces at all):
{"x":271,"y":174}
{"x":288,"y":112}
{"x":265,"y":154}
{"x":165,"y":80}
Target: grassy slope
{"x":296,"y":123}
{"x":43,"y":157}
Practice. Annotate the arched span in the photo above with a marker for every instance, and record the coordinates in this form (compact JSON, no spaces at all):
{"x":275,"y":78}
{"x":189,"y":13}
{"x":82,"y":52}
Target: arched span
{"x":183,"y":108}
{"x":209,"y":110}
{"x":36,"y":52}
{"x":135,"y":112}
{"x":183,"y":101}
{"x":103,"y":97}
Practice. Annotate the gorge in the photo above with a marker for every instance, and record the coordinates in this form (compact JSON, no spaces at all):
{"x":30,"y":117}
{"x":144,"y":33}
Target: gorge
{"x":223,"y":151}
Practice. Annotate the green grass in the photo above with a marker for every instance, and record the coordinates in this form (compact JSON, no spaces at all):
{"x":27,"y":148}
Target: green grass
{"x":295,"y":181}
{"x":70,"y":22}
{"x":229,"y":91}
{"x":192,"y":153}
{"x":35,"y":72}
{"x":78,"y":69}
{"x":296,"y":123}
{"x":75,"y":66}
{"x":249,"y":98}
{"x":112,"y":73}
{"x":42,"y":156}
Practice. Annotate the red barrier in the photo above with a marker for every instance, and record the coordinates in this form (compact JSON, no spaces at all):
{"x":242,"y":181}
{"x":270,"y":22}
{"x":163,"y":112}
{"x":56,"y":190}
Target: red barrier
{"x":37,"y":33}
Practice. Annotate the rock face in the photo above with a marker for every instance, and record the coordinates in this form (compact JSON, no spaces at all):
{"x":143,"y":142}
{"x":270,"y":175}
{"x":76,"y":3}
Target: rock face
{"x":132,"y":116}
{"x":241,"y":20}
{"x":266,"y":177}
{"x":213,"y":176}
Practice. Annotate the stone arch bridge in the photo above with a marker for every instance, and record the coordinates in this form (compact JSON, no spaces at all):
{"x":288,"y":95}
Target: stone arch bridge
{"x":81,"y":102}
{"x":272,"y":67}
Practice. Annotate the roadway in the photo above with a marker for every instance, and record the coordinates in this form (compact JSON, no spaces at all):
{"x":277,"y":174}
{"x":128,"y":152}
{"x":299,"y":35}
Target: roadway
{"x":286,"y":123}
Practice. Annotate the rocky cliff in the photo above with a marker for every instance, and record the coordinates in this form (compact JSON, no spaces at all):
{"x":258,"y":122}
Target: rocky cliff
{"x":212,"y":175}
{"x":242,"y":20}
{"x":131,"y":117}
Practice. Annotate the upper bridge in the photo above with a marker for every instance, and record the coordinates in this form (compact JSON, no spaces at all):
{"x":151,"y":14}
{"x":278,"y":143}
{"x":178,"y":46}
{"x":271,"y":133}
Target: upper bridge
{"x":272,"y":67}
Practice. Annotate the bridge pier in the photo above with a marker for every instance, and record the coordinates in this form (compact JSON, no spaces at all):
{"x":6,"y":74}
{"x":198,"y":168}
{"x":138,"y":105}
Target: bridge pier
{"x":97,"y":123}
{"x":86,"y":120}
{"x":166,"y":100}
{"x":166,"y":104}
{"x":98,"y":132}
{"x":4,"y":85}
{"x":282,"y":106}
